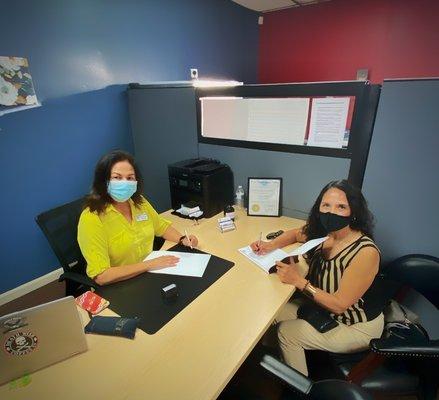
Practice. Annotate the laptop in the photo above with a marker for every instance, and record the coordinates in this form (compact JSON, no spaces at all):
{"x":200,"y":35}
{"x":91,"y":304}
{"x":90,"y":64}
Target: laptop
{"x":38,"y":337}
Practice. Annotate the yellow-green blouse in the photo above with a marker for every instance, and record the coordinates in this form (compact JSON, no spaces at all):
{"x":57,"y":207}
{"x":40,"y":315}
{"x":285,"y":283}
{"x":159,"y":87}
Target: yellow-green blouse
{"x":109,"y":240}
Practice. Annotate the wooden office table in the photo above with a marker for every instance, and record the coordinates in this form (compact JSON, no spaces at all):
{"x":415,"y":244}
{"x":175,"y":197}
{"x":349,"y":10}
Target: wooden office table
{"x":196,"y":354}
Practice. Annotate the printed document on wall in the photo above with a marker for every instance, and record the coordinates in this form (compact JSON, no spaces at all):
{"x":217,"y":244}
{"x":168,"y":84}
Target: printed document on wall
{"x":328,"y":122}
{"x":267,"y":120}
{"x":275,"y":120}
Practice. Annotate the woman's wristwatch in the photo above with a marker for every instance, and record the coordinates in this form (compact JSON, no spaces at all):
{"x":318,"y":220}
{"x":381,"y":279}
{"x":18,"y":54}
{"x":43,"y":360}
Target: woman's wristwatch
{"x":309,"y":290}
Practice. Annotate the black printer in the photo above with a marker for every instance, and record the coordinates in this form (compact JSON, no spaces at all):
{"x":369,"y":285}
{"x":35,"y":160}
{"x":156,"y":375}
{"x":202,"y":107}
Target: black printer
{"x":204,"y":181}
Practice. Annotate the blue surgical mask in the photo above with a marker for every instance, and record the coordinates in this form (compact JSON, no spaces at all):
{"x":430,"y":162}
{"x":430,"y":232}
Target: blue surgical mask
{"x":121,"y":191}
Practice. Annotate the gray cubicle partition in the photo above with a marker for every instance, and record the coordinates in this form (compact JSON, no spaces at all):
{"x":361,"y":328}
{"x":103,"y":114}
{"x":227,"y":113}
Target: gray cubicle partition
{"x":303,"y":175}
{"x":164,"y":128}
{"x":401,"y":180}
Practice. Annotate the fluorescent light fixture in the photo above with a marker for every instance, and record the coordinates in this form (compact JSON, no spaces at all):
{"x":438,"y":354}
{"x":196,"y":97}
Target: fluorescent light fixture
{"x":211,"y":83}
{"x":220,"y":98}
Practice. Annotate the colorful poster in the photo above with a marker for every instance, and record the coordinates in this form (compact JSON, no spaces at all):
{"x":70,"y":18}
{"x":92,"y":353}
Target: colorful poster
{"x":16,"y":86}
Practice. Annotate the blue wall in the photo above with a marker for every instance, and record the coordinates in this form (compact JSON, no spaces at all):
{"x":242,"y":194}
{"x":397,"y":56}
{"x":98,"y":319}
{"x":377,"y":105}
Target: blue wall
{"x":82,"y":54}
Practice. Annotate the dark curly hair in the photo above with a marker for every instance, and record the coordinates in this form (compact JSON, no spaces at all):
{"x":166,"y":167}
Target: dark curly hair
{"x":361,"y":217}
{"x":98,"y":199}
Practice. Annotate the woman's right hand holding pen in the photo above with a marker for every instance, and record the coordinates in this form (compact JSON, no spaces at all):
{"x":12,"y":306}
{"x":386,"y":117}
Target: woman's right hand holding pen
{"x":260,"y":247}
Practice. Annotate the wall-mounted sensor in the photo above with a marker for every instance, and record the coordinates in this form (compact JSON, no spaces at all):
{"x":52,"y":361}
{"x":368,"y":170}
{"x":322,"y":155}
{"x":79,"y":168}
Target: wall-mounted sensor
{"x":362,"y":74}
{"x":194,"y":73}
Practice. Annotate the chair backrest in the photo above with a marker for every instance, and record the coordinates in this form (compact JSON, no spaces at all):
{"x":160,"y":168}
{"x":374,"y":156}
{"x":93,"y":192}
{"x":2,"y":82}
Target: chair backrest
{"x":335,"y":389}
{"x":60,"y":226}
{"x":419,"y":271}
{"x":417,"y":276}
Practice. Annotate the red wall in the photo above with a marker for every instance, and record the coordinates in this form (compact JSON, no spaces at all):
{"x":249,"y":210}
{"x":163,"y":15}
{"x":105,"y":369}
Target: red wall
{"x":330,"y":41}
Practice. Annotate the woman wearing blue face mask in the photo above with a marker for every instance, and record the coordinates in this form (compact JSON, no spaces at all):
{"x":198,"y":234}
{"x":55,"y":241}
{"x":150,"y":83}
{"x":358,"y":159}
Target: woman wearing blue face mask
{"x":341,"y":279}
{"x":116,"y":230}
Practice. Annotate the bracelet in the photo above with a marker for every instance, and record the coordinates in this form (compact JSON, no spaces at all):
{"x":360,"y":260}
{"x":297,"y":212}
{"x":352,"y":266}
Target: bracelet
{"x":309,"y":290}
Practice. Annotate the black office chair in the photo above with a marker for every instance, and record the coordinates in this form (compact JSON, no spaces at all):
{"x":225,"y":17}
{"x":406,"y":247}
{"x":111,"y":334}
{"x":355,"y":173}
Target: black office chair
{"x":402,"y":365}
{"x":330,"y":389}
{"x":60,"y":226}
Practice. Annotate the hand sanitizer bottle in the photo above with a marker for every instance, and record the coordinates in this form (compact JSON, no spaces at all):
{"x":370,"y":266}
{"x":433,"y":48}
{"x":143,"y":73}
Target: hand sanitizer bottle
{"x":239,"y":197}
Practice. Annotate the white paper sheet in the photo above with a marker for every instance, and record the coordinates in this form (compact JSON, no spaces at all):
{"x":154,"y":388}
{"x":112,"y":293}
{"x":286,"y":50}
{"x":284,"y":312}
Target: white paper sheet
{"x":266,"y":261}
{"x":277,"y":120}
{"x":270,"y":120}
{"x":189,"y":264}
{"x":310,"y":244}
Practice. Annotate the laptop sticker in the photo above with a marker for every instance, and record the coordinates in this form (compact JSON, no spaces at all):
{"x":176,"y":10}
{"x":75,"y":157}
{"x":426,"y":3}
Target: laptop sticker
{"x":20,"y":382}
{"x":14,"y":323}
{"x":21,"y":343}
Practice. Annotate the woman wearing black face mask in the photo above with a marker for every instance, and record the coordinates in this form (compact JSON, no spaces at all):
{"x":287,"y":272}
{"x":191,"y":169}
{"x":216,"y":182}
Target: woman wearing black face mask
{"x":341,"y":278}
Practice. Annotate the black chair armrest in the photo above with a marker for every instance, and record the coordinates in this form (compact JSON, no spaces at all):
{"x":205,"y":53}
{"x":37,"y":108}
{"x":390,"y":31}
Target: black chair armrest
{"x":326,"y":389}
{"x":392,"y":347}
{"x":294,"y":378}
{"x":79,"y":278}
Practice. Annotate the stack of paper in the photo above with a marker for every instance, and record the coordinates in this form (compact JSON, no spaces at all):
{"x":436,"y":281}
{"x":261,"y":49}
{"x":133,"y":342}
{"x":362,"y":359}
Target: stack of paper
{"x":267,"y":262}
{"x":192,"y":212}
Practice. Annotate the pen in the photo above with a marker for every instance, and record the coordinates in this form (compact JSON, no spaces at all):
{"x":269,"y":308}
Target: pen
{"x":188,"y":240}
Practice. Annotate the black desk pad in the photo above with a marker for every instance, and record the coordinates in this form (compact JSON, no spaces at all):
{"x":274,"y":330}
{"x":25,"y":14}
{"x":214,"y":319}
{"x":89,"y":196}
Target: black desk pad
{"x":141,"y":296}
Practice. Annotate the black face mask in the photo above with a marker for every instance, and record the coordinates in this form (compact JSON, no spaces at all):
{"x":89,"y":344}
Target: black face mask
{"x":333,"y":222}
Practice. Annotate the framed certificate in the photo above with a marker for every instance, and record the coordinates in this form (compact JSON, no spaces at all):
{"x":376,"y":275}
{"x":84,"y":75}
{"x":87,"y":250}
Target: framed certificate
{"x":264,"y":197}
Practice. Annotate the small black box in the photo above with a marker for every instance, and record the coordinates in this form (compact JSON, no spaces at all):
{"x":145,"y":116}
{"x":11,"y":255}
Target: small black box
{"x":169,"y":292}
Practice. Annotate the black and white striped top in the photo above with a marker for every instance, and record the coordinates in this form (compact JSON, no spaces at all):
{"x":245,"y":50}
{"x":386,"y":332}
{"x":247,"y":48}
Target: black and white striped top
{"x":326,"y":275}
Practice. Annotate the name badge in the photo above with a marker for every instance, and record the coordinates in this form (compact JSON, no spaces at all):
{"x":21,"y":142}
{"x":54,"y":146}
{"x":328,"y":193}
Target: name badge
{"x":142,"y":217}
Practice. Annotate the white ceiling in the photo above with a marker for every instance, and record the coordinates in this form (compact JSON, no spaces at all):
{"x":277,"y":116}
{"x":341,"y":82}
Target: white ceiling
{"x":271,"y":5}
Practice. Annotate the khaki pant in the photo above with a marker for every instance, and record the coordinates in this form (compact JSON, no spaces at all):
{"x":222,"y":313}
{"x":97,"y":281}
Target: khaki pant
{"x":296,"y":335}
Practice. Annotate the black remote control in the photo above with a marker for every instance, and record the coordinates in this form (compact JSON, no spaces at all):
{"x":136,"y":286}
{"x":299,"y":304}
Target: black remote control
{"x":274,"y":235}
